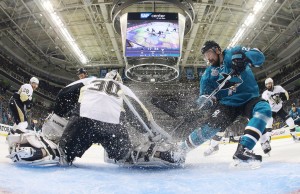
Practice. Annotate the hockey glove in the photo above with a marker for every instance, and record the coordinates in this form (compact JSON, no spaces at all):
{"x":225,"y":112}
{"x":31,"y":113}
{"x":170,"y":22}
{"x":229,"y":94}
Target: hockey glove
{"x":204,"y":102}
{"x":283,"y":96}
{"x":28,"y":104}
{"x":239,"y":62}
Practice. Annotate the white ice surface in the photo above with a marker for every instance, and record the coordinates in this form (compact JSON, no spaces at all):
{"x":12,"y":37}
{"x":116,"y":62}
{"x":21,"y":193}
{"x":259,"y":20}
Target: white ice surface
{"x":279,"y":173}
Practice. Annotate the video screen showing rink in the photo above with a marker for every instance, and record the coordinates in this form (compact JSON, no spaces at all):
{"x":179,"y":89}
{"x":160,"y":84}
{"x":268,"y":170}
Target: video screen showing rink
{"x":154,"y":35}
{"x":279,"y":173}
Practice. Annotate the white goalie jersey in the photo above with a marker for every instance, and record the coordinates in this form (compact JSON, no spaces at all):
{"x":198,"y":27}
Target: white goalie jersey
{"x":273,"y":97}
{"x":101,"y":100}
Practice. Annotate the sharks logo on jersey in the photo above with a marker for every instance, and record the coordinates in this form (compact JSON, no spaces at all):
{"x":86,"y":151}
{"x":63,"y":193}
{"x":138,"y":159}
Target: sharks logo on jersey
{"x":215,"y":72}
{"x":231,"y":84}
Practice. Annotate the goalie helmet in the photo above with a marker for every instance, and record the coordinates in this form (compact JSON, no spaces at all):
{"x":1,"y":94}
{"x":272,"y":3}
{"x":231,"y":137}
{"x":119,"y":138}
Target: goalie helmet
{"x":34,"y":80}
{"x":114,"y":75}
{"x":269,"y":80}
{"x":210,"y":44}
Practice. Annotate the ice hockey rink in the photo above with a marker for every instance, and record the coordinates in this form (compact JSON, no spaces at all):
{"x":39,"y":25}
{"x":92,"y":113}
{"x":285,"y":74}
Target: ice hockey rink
{"x":279,"y":173}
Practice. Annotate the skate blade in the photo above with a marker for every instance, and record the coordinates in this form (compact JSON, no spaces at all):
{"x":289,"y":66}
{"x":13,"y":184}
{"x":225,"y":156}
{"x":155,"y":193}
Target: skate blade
{"x":268,"y":154}
{"x":240,"y":164}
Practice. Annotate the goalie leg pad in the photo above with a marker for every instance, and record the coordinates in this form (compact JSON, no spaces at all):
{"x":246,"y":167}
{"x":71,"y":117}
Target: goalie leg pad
{"x":32,"y":138}
{"x":26,"y":154}
{"x":31,"y":148}
{"x":13,"y":139}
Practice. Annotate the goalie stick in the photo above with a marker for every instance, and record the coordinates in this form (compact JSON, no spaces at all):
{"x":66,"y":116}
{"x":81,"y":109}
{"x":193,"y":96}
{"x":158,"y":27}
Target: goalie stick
{"x":157,"y":127}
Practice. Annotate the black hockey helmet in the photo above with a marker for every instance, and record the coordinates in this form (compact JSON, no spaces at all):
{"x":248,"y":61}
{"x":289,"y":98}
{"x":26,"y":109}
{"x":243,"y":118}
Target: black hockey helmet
{"x":210,"y":44}
{"x":81,"y":70}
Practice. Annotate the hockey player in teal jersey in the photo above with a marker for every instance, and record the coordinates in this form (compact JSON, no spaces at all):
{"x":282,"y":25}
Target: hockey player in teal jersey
{"x":295,"y":114}
{"x":239,"y":96}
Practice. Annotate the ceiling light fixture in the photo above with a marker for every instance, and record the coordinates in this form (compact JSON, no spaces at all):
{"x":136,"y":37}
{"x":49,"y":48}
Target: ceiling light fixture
{"x":59,"y":25}
{"x":248,"y":22}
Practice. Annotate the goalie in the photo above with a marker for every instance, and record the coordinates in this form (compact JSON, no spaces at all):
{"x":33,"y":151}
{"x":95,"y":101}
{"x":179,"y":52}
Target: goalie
{"x":101,"y":118}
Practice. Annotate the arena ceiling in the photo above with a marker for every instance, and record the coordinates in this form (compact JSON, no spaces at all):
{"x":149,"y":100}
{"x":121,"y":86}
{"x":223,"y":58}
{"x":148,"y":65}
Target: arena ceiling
{"x":28,"y":35}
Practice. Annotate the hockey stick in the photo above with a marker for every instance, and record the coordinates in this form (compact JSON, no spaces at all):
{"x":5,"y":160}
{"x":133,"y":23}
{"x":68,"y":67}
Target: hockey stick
{"x":287,"y":125}
{"x":220,"y":86}
{"x":131,"y":107}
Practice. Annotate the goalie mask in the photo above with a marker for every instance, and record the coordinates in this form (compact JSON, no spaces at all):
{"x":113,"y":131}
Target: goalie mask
{"x":114,"y":75}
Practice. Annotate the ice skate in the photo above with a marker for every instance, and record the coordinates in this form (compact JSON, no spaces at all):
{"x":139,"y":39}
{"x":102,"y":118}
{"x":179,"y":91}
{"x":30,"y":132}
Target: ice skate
{"x":231,"y":139}
{"x":167,"y":155}
{"x":266,"y":147}
{"x":296,"y":138}
{"x":175,"y":157}
{"x":245,"y":158}
{"x":211,"y":150}
{"x":63,"y":160}
{"x":158,"y":155}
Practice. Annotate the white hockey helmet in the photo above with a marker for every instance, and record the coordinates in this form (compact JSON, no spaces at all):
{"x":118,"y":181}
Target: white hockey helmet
{"x":114,"y":75}
{"x":269,"y":80}
{"x":34,"y":80}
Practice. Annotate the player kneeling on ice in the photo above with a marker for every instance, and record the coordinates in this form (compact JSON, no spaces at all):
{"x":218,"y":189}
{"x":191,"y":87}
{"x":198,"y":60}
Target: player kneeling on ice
{"x":237,"y":93}
{"x":103,"y":117}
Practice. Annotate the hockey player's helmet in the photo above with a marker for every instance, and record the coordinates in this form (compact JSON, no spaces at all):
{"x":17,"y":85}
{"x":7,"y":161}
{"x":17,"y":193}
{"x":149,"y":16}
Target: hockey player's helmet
{"x":114,"y":75}
{"x":81,"y":70}
{"x":34,"y":80}
{"x":269,"y":80}
{"x":210,"y":44}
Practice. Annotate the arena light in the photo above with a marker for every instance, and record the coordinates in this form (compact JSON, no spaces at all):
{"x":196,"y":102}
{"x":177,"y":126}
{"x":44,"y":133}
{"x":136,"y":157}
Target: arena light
{"x":59,"y":25}
{"x":248,"y":22}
